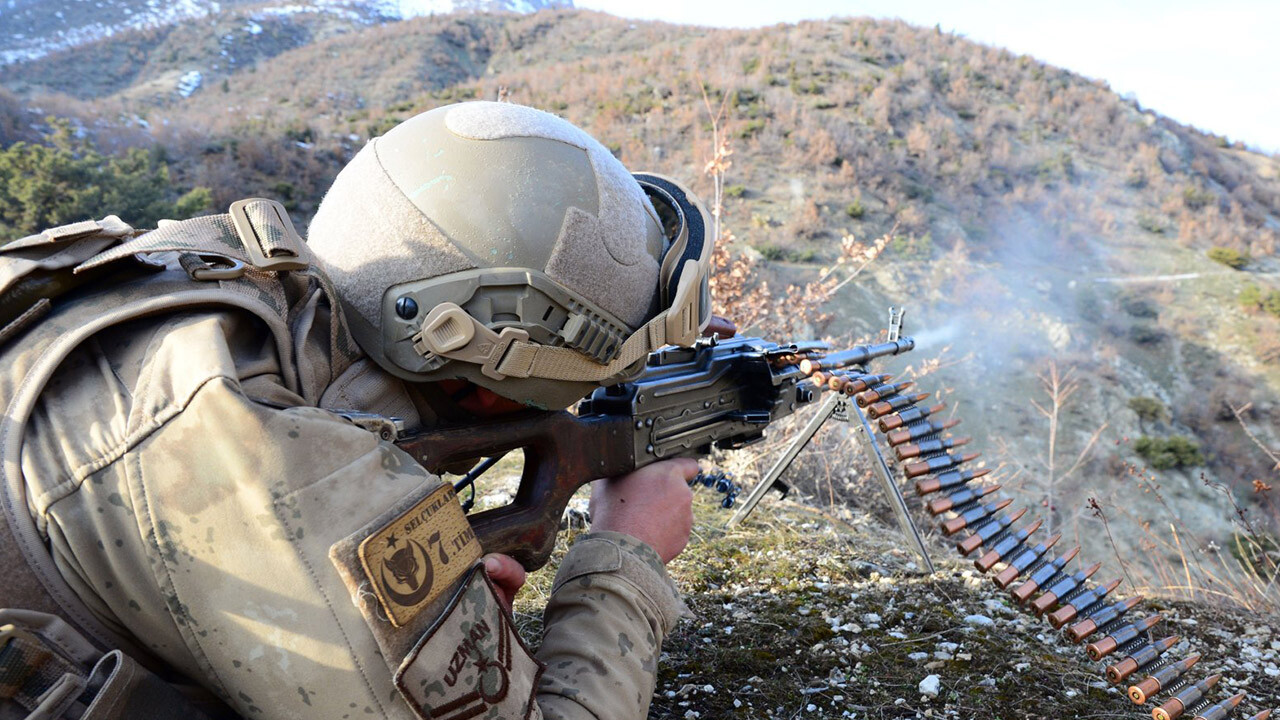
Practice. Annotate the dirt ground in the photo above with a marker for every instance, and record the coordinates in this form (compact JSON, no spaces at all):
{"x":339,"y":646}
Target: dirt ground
{"x":798,"y":614}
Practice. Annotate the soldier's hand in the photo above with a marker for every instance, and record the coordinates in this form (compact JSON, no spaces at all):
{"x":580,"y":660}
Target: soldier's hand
{"x":652,"y":504}
{"x":507,"y":576}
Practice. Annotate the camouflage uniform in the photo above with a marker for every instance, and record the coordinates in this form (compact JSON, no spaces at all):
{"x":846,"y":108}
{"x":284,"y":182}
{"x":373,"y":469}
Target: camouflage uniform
{"x":198,"y":495}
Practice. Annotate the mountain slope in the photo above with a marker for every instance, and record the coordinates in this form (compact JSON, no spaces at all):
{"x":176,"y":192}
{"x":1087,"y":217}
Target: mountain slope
{"x":36,"y":28}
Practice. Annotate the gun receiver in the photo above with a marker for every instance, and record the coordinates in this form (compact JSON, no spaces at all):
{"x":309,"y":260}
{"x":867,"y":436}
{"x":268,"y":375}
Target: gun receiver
{"x":720,"y":394}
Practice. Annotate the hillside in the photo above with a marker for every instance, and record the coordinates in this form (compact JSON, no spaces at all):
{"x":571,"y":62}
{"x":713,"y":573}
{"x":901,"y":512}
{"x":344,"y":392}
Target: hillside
{"x":34,"y":29}
{"x":1038,"y":225}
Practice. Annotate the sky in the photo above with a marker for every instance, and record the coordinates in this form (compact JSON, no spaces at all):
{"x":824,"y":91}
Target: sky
{"x":1214,"y":65}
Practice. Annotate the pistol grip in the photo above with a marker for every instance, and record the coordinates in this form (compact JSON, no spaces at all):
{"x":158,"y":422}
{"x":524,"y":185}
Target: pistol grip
{"x":562,"y":452}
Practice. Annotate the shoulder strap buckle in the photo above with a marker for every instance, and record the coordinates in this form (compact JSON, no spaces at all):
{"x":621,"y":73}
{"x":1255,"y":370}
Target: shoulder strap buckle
{"x":267,"y":233}
{"x":12,"y":632}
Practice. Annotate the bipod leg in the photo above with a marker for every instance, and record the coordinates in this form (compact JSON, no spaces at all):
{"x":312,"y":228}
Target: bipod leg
{"x":891,"y":490}
{"x":825,"y":410}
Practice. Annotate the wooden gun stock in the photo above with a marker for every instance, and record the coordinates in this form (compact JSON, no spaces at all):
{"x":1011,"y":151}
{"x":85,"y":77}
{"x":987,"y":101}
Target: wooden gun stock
{"x":562,"y":452}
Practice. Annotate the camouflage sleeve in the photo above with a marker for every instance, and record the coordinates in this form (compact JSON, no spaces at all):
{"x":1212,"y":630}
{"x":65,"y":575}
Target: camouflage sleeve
{"x":611,"y":605}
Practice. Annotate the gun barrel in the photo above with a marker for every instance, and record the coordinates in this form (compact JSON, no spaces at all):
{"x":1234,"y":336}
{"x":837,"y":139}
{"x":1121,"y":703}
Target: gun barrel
{"x":860,"y":355}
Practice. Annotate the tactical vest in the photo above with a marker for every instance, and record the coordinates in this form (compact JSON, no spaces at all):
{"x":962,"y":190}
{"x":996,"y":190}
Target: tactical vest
{"x":57,"y":289}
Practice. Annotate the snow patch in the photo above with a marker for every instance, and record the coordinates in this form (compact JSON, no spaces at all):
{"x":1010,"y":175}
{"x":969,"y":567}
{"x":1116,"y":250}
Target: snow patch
{"x":190,"y":82}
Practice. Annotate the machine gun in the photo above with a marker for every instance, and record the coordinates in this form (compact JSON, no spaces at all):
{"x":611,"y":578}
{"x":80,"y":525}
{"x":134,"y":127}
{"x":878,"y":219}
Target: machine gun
{"x":719,"y":393}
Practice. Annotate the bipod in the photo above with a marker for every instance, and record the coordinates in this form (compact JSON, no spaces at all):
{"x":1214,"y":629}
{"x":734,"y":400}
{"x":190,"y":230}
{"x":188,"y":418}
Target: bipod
{"x":838,"y":407}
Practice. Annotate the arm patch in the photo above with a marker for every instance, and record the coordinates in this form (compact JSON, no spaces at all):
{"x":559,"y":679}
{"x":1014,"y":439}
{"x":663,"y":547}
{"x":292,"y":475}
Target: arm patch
{"x":411,"y":560}
{"x":471,"y":663}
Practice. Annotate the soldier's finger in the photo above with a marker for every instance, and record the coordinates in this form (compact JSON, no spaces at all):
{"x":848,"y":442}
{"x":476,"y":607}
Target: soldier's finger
{"x":508,"y":576}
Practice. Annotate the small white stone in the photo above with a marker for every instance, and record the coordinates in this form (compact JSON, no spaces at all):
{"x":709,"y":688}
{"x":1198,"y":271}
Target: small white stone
{"x":979,"y":620}
{"x":918,"y":656}
{"x":929,"y":686}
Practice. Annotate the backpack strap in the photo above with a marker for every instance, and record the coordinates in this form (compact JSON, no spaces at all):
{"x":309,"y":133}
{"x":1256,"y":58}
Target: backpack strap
{"x":255,"y":232}
{"x":36,"y":269}
{"x":51,"y":672}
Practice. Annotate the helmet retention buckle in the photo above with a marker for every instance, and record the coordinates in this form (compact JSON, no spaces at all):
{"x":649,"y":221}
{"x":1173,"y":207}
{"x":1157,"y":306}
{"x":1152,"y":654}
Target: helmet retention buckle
{"x":449,"y":331}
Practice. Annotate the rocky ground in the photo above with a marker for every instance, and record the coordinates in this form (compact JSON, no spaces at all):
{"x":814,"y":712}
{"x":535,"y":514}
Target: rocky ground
{"x":799,"y":613}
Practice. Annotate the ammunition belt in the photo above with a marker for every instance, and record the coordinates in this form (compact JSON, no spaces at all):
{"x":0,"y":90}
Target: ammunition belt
{"x":1036,"y":575}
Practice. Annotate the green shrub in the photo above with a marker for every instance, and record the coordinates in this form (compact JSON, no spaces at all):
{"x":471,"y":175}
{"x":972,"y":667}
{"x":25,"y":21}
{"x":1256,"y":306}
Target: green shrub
{"x":1139,"y":307}
{"x":1195,"y":198}
{"x":777,"y":253}
{"x":68,"y":180}
{"x":1167,"y":453}
{"x":1271,"y":303}
{"x":1229,"y":257}
{"x":381,"y":126}
{"x":855,"y":210}
{"x":1148,"y":408}
{"x":1145,"y":334}
{"x":1153,"y":225}
{"x":735,"y":191}
{"x":300,"y":134}
{"x":771,"y":252}
{"x":194,"y":202}
{"x":750,"y":65}
{"x":1251,"y":297}
{"x":751,"y":128}
{"x":912,"y":247}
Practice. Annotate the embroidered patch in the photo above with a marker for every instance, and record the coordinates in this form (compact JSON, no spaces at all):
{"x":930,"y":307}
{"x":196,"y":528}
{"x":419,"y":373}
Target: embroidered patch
{"x":420,"y":554}
{"x":471,"y":663}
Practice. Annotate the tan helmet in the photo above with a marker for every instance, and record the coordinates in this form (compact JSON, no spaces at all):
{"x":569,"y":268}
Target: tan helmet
{"x":503,"y":245}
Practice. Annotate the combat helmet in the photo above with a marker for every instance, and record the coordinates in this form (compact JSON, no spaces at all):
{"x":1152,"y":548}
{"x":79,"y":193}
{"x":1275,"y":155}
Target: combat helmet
{"x":503,"y":245}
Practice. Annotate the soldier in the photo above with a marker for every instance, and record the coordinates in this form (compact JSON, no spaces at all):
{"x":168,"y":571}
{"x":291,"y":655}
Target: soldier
{"x":205,"y":513}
